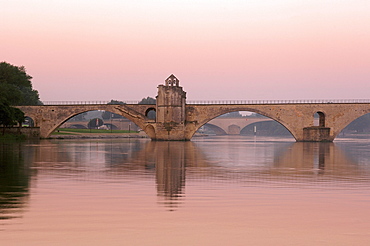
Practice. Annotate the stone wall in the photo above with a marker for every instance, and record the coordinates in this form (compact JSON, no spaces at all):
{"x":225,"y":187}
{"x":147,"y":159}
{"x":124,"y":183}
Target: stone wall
{"x":29,"y":132}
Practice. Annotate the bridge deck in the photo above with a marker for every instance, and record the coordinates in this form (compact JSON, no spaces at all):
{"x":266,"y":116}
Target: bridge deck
{"x":217,"y":102}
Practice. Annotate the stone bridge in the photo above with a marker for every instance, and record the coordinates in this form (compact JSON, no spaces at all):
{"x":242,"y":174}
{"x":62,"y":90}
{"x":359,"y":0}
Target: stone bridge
{"x":232,"y":126}
{"x":177,"y":120}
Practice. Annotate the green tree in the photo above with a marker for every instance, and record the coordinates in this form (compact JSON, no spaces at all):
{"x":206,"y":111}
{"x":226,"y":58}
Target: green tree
{"x":5,"y":114}
{"x":16,"y":87}
{"x":18,"y":116}
{"x":10,"y":116}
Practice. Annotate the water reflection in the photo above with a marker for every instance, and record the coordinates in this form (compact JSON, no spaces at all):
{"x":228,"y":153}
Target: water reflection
{"x":306,"y":163}
{"x":169,"y":165}
{"x":315,"y":158}
{"x":14,"y":180}
{"x":125,"y":159}
{"x":169,"y":160}
{"x":172,"y":158}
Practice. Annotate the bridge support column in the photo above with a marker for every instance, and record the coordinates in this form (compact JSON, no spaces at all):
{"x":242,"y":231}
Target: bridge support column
{"x":170,"y":119}
{"x":317,"y":134}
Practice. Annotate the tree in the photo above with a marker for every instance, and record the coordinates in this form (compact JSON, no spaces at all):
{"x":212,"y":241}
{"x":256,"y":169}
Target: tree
{"x":148,"y":100}
{"x":10,"y":116}
{"x":16,"y":87}
{"x":116,"y":102}
{"x":18,"y":116}
{"x":5,"y":114}
{"x":95,"y":123}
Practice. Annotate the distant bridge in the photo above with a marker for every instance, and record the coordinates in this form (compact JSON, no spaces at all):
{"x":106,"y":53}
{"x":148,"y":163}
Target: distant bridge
{"x":233,"y":126}
{"x":114,"y":124}
{"x":175,"y":119}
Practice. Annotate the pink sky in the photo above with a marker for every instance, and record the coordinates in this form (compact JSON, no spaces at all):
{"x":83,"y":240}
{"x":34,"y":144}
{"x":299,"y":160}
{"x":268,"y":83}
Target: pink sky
{"x":102,"y":50}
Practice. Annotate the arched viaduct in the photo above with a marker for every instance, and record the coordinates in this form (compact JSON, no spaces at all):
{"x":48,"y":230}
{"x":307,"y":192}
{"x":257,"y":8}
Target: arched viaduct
{"x":177,"y":120}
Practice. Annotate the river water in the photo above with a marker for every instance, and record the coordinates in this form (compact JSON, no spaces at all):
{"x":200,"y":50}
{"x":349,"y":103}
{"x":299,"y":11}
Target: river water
{"x":234,"y":190}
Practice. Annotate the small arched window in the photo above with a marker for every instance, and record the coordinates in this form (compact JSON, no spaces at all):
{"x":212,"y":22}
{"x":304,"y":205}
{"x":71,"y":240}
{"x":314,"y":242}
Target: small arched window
{"x":319,"y":119}
{"x":151,"y":114}
{"x":28,"y":121}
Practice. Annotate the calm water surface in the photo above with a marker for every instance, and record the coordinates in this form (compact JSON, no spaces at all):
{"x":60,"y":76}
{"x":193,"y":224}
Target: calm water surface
{"x":210,"y":191}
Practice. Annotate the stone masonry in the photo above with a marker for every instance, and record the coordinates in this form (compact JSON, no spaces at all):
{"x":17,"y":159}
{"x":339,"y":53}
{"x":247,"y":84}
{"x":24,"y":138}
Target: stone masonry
{"x":176,"y":120}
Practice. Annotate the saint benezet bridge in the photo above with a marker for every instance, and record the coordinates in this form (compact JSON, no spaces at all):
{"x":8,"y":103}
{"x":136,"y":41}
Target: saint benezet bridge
{"x":175,"y":119}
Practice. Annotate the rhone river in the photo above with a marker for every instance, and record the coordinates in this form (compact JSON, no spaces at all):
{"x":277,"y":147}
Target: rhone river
{"x":230,"y":190}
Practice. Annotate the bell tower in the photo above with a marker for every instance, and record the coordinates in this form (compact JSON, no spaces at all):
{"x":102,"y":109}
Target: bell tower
{"x":171,"y":102}
{"x":170,"y":108}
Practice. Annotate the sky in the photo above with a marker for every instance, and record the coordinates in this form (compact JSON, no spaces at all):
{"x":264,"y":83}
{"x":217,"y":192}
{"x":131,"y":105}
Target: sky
{"x":78,"y":50}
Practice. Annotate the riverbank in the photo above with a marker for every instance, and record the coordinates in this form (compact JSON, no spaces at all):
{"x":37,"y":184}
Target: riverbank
{"x":98,"y":135}
{"x":74,"y":135}
{"x":12,"y":137}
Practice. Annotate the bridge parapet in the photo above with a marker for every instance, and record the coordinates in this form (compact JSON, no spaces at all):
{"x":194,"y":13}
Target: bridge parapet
{"x":55,"y":103}
{"x":232,"y":102}
{"x":299,"y":101}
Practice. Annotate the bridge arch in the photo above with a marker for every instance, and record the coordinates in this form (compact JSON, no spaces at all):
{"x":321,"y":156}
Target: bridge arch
{"x":49,"y":118}
{"x":204,"y":118}
{"x":353,"y":120}
{"x":61,"y":121}
{"x":151,"y":113}
{"x":28,"y":121}
{"x":150,"y":131}
{"x":71,"y":115}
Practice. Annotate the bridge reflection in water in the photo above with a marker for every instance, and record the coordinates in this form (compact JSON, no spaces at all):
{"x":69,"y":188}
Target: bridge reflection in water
{"x":170,"y":160}
{"x":319,"y":158}
{"x":170,"y":164}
